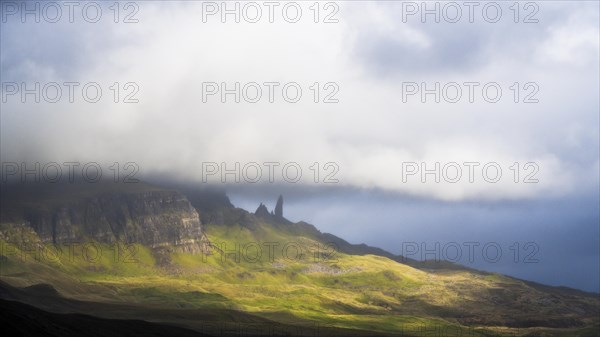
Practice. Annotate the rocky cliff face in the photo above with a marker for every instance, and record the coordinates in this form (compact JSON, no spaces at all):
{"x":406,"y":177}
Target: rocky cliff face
{"x":155,"y":218}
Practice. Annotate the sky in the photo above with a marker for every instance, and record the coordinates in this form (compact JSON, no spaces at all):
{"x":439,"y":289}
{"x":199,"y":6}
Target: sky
{"x":519,"y":165}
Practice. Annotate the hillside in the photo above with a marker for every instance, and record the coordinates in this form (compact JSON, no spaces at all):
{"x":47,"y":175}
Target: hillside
{"x":21,"y":320}
{"x":191,"y":259}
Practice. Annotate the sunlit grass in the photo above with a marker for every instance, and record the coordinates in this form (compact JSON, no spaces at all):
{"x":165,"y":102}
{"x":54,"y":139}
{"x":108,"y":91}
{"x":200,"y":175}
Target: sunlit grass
{"x":360,"y":292}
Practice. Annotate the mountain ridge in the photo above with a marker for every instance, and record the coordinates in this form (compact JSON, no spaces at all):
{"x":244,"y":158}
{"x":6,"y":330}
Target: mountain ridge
{"x":298,"y":278}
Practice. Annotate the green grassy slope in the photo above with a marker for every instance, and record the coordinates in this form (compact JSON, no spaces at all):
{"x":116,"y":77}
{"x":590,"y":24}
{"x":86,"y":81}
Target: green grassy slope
{"x":272,"y":272}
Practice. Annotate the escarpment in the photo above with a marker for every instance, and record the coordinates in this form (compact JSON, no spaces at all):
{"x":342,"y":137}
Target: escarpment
{"x":153,"y":217}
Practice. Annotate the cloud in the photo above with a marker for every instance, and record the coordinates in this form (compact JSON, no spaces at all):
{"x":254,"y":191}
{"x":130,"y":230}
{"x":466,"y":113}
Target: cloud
{"x":370,"y":133}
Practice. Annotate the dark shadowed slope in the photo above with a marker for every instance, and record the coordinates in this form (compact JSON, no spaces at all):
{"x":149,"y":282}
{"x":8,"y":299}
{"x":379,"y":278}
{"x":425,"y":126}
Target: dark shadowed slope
{"x":18,"y":319}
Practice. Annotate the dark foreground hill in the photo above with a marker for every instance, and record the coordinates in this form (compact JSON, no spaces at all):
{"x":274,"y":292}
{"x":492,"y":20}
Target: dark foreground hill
{"x":22,"y":320}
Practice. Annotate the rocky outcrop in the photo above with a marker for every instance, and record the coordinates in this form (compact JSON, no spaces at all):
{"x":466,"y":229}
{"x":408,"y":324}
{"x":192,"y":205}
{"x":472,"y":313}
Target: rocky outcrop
{"x":262,"y":211}
{"x":211,"y":203}
{"x":155,"y":218}
{"x":279,"y":207}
